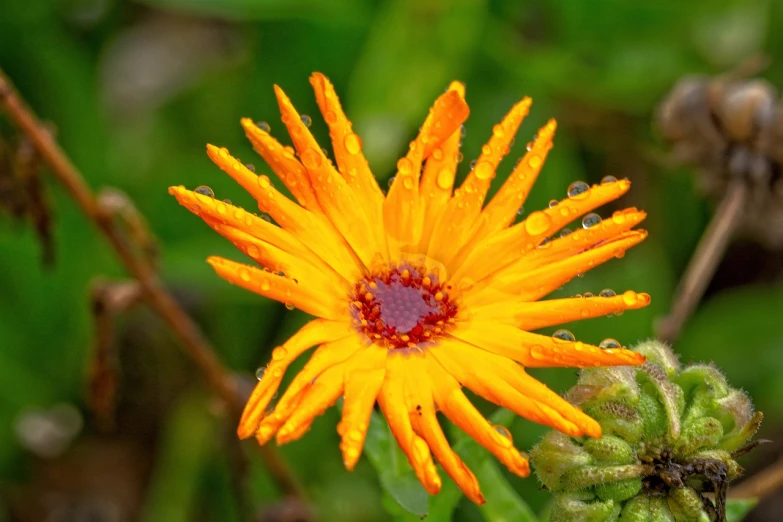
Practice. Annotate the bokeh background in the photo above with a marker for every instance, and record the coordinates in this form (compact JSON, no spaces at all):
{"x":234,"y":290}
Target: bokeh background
{"x":135,"y":89}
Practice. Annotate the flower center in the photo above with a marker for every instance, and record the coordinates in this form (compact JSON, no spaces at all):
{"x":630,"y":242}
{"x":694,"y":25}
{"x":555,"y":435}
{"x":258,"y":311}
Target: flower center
{"x":402,"y":307}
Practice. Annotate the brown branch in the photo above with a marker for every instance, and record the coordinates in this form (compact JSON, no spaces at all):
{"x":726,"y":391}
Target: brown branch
{"x":191,"y":339}
{"x":705,"y":260}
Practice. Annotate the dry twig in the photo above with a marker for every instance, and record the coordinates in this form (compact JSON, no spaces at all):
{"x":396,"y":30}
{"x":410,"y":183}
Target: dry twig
{"x":156,"y":295}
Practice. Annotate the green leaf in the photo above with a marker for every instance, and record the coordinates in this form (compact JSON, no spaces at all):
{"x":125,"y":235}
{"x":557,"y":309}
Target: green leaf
{"x":395,"y":473}
{"x":737,"y":508}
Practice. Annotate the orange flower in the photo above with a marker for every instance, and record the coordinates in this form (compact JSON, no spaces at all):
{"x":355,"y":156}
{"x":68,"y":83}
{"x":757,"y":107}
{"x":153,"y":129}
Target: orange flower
{"x":418,"y":292}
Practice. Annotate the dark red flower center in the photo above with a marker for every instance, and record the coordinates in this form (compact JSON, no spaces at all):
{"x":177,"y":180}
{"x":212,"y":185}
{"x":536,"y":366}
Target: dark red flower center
{"x":403,"y":307}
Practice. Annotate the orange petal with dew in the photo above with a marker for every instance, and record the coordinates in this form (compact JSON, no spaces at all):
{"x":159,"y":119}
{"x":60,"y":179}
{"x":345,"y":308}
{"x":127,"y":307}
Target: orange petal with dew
{"x":333,"y":354}
{"x":455,"y":405}
{"x":364,"y":374}
{"x":541,"y":351}
{"x":315,"y":332}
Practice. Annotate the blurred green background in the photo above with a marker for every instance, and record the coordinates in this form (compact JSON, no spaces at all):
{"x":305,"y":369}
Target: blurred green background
{"x":136,"y":89}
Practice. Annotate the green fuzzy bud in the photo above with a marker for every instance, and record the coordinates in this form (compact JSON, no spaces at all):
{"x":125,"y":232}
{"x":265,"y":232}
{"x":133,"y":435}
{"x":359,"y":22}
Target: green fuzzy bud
{"x":668,"y":437}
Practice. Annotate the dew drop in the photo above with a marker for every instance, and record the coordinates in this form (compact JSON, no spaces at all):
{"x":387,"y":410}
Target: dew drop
{"x":205,"y":191}
{"x":590,"y":220}
{"x":437,"y":154}
{"x":462,"y":132}
{"x":484,"y":170}
{"x":537,"y":223}
{"x":265,"y":284}
{"x":503,"y":432}
{"x":391,"y":181}
{"x":472,"y":164}
{"x":630,"y":298}
{"x":445,"y":179}
{"x":312,"y":159}
{"x":250,"y":167}
{"x":589,"y":294}
{"x":618,"y":217}
{"x":264,"y":126}
{"x":534,"y":162}
{"x":404,"y":166}
{"x":565,"y":232}
{"x":279,"y":353}
{"x":520,"y":211}
{"x":577,"y":188}
{"x":529,"y":146}
{"x":266,"y":218}
{"x":260,"y":371}
{"x":604,"y":181}
{"x":609,"y":343}
{"x":607,"y":292}
{"x":353,"y":144}
{"x":564,"y":335}
{"x":244,"y":274}
{"x":263,"y":182}
{"x":460,"y":157}
{"x":553,"y":203}
{"x":227,"y":201}
{"x":290,"y":306}
{"x":498,"y":131}
{"x":307,"y":120}
{"x":253,"y":251}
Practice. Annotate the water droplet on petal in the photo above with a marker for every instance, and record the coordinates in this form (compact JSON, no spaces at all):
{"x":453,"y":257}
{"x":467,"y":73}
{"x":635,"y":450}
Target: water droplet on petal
{"x":607,"y":292}
{"x":227,"y":201}
{"x":264,"y":126}
{"x":353,"y":143}
{"x":312,"y":159}
{"x":250,"y":167}
{"x":260,"y":371}
{"x":244,"y":274}
{"x":391,"y":181}
{"x":591,"y":220}
{"x":520,"y":211}
{"x":564,"y":335}
{"x":437,"y":154}
{"x":608,"y":179}
{"x":263,"y":182}
{"x":279,"y":353}
{"x":630,"y":298}
{"x":404,"y":166}
{"x":553,"y":203}
{"x":565,"y":232}
{"x":609,"y":343}
{"x":460,"y":157}
{"x":462,"y":132}
{"x":537,"y":223}
{"x":407,"y":182}
{"x":589,"y":294}
{"x":307,"y":120}
{"x":503,"y":432}
{"x":534,"y":162}
{"x":445,"y":179}
{"x":472,"y":164}
{"x":577,"y":188}
{"x":205,"y":191}
{"x":484,"y":170}
{"x":290,"y":306}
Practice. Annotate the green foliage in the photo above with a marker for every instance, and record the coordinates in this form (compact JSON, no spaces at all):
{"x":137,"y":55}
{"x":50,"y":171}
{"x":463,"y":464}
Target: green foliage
{"x":130,"y":119}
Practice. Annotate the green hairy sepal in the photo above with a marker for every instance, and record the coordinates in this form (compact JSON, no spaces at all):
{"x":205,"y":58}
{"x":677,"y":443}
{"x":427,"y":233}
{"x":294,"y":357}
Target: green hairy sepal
{"x":669,"y":438}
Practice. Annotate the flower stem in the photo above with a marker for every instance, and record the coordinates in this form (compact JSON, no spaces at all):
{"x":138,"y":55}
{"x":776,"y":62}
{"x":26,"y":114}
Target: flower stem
{"x":190,"y":337}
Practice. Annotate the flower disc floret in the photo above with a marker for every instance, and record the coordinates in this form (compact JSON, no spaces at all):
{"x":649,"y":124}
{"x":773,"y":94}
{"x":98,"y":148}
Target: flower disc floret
{"x":404,"y":307}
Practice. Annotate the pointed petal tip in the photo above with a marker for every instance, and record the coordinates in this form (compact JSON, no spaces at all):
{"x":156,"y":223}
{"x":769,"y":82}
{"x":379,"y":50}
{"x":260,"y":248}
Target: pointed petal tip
{"x":459,"y":87}
{"x":245,"y":431}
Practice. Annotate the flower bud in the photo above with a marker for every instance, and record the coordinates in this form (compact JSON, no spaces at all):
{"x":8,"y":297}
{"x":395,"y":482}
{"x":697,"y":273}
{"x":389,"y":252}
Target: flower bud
{"x":668,"y":437}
